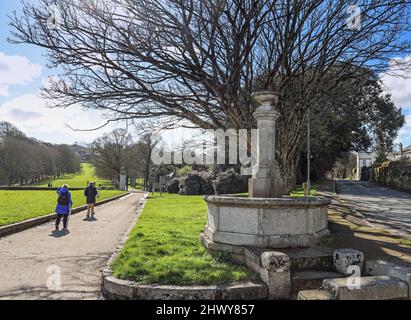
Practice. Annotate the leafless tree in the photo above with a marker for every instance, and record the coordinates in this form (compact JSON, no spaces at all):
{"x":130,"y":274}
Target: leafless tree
{"x":110,"y":153}
{"x":28,"y":161}
{"x":143,"y":151}
{"x":195,"y":62}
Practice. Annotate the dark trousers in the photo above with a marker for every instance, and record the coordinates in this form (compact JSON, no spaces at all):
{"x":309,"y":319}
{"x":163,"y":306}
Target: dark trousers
{"x":65,"y":219}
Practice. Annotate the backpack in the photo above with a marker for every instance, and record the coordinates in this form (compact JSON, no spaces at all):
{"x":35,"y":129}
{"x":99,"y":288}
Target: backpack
{"x":63,"y":199}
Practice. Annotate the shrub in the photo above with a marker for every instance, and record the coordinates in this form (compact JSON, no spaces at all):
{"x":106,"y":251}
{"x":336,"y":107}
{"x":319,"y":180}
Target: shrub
{"x":173,"y":187}
{"x":206,"y":183}
{"x":190,"y":184}
{"x":197,"y":183}
{"x":207,"y":186}
{"x":395,"y":174}
{"x":230,"y":182}
{"x":182,"y":172}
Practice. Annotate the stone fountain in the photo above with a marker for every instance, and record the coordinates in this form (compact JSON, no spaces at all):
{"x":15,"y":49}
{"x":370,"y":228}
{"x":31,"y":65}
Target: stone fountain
{"x":266,"y":219}
{"x":260,"y":230}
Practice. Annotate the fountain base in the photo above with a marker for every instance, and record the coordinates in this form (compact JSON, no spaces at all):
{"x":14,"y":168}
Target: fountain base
{"x":266,"y":222}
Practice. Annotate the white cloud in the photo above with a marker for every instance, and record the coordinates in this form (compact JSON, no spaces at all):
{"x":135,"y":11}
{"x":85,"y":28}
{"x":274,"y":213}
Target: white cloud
{"x":397,"y":82}
{"x":16,"y":70}
{"x":399,"y":85}
{"x":31,"y":115}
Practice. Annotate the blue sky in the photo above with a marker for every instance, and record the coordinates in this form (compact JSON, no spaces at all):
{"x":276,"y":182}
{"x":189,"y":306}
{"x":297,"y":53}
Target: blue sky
{"x":23,"y":72}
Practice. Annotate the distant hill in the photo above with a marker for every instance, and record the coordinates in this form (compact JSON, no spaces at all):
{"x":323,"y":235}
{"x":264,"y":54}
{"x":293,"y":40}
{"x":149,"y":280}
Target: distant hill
{"x":84,"y":153}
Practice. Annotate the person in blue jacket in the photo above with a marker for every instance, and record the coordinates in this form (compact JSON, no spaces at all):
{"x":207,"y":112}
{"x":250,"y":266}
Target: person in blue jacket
{"x":64,"y":204}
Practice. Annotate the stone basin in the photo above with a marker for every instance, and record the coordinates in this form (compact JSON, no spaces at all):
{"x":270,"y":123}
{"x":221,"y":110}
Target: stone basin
{"x":266,"y":222}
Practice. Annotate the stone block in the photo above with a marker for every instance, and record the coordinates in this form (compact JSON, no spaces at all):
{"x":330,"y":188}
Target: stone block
{"x":241,"y":220}
{"x":369,"y":288}
{"x":237,"y":239}
{"x":317,"y":258}
{"x":275,"y":261}
{"x":403,"y":274}
{"x":314,"y":295}
{"x":275,"y":272}
{"x":212,"y":217}
{"x":378,"y":267}
{"x":278,"y":283}
{"x":345,"y":258}
{"x":250,"y":290}
{"x":153,"y":292}
{"x":119,"y":289}
{"x":283,"y":221}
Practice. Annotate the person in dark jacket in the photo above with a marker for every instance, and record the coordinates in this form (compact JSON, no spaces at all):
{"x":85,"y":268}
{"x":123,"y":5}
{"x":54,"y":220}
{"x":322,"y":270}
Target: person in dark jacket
{"x":91,"y":193}
{"x":64,"y":204}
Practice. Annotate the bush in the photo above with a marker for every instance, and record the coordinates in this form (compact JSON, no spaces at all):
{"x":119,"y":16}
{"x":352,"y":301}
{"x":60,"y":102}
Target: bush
{"x":190,"y":184}
{"x":230,"y":182}
{"x":173,"y":187}
{"x":395,"y":174}
{"x":197,"y":183}
{"x":182,"y":172}
{"x":206,"y":183}
{"x":207,"y":186}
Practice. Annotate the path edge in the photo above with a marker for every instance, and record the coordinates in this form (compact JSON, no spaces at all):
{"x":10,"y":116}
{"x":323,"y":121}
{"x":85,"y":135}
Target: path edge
{"x":113,"y":288}
{"x":31,"y":223}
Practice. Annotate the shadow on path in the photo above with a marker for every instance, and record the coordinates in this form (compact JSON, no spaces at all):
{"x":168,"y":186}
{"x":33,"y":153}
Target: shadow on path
{"x":90,"y":219}
{"x":377,"y":244}
{"x":383,"y":207}
{"x":60,"y":233}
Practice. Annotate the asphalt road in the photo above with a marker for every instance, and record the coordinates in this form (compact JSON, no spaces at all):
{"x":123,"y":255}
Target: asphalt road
{"x":381,"y":206}
{"x":41,"y":264}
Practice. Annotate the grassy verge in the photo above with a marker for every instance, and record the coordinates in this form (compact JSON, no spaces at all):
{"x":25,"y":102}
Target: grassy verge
{"x":299,"y":192}
{"x":164,"y":246}
{"x":405,"y":242}
{"x":79,"y":179}
{"x":17,"y":206}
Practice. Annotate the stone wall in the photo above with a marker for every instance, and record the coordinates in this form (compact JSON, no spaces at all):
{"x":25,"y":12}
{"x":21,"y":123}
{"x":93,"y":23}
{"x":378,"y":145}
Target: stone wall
{"x":394,"y":174}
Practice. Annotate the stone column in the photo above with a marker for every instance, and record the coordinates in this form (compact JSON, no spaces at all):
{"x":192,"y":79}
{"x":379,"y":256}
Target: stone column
{"x":123,"y":180}
{"x":266,"y":181}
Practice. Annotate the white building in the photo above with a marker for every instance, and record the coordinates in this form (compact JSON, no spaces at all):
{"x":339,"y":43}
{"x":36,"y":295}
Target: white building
{"x":364,"y":159}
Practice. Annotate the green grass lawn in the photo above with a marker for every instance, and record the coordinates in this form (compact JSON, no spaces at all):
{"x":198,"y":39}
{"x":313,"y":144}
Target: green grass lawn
{"x":164,"y":246}
{"x":78,"y":180}
{"x":17,"y":206}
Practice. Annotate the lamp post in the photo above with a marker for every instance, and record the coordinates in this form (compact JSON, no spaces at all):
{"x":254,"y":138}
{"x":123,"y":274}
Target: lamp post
{"x":401,"y":151}
{"x":309,"y":152}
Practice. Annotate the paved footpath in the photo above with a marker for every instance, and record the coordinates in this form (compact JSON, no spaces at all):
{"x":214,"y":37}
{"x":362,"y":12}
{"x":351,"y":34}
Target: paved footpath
{"x":30,"y":261}
{"x":382,"y":206}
